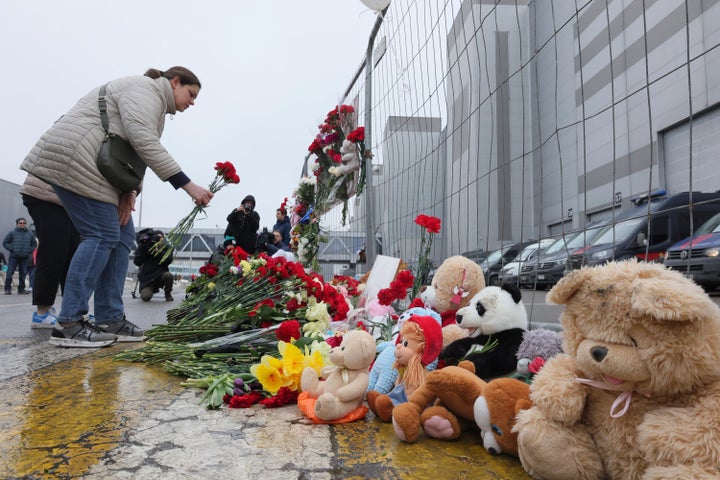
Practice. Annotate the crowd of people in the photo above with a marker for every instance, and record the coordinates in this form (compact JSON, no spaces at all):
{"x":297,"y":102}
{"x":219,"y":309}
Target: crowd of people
{"x":83,"y":228}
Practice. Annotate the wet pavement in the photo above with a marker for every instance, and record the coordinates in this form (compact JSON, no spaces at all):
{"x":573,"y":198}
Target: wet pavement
{"x":77,"y":413}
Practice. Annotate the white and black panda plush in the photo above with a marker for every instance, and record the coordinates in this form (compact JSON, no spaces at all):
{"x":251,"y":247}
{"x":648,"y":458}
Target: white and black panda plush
{"x":495,"y":315}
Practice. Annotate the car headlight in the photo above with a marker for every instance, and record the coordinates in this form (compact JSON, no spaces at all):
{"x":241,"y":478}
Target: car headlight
{"x":560,"y":262}
{"x":712,"y":252}
{"x":601,"y":255}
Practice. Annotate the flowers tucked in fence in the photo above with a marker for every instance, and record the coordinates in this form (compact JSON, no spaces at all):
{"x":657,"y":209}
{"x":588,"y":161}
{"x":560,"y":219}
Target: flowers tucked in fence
{"x":225,"y":174}
{"x":335,"y":173}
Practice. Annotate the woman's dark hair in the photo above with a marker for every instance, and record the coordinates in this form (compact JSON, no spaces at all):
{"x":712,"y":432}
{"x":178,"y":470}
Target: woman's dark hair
{"x":186,"y":76}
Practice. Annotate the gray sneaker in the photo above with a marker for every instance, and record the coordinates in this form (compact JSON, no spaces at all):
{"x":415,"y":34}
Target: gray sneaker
{"x":81,"y":334}
{"x":125,"y":330}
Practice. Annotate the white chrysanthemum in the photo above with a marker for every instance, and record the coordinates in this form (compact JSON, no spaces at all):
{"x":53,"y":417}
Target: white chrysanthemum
{"x":309,"y":180}
{"x":334,"y":171}
{"x":318,"y":312}
{"x":234,"y":270}
{"x":320,"y":346}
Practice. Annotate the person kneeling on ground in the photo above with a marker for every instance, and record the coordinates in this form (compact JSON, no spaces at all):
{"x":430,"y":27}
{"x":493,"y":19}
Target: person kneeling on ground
{"x":154,"y":273}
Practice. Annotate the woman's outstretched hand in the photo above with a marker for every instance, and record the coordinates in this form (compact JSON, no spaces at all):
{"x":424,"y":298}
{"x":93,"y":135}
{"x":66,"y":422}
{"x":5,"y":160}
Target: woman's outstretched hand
{"x":200,"y":195}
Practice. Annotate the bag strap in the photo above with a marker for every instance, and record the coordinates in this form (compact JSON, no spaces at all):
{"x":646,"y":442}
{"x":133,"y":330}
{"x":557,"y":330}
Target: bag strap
{"x":102,"y":105}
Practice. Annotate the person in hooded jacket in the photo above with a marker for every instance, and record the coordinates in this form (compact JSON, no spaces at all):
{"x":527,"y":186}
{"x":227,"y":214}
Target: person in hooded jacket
{"x":243,"y":224}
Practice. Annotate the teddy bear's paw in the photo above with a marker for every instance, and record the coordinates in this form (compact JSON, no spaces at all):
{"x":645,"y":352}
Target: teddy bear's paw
{"x":440,"y":428}
{"x":549,"y":450}
{"x":438,"y":422}
{"x":383,"y":408}
{"x":406,"y":422}
{"x":326,"y":407}
{"x":309,"y":381}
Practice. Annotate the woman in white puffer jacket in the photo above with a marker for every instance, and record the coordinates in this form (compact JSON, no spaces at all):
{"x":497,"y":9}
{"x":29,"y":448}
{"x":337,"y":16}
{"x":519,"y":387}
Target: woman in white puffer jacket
{"x":65,"y":157}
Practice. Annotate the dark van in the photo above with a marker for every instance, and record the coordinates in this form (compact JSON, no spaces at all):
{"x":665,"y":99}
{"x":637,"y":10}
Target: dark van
{"x":698,"y":257}
{"x":646,"y":230}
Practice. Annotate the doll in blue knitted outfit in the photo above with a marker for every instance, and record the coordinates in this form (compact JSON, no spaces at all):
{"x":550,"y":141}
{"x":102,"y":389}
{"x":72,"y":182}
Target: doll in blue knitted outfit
{"x":383,"y":374}
{"x":421,"y":341}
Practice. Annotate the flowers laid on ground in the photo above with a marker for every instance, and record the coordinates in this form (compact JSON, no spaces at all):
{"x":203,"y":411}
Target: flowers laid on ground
{"x":430,"y":227}
{"x":243,"y":311}
{"x":225,"y":174}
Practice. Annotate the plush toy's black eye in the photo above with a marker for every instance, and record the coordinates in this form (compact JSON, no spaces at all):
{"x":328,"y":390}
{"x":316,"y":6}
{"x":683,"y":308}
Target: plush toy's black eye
{"x":496,"y":430}
{"x":480,"y":309}
{"x":405,"y":343}
{"x":342,"y":349}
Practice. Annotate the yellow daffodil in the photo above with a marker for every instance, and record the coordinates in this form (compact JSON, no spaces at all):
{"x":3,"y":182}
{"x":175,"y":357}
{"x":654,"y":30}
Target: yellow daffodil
{"x":268,"y":373}
{"x":315,"y":361}
{"x":211,"y":286}
{"x":293,"y":359}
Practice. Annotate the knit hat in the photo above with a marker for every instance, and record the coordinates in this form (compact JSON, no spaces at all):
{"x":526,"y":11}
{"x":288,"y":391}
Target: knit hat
{"x":433,"y":337}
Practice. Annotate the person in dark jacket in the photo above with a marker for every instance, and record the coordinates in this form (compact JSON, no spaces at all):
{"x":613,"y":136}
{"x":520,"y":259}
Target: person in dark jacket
{"x":243,"y":224}
{"x":154,"y":273}
{"x":277,"y":243}
{"x":20,"y":242}
{"x":282,"y":225}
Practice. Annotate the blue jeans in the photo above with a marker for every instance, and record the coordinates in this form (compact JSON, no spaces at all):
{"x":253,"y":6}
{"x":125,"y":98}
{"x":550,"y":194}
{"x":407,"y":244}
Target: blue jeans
{"x":21,"y":265}
{"x":100,"y":262}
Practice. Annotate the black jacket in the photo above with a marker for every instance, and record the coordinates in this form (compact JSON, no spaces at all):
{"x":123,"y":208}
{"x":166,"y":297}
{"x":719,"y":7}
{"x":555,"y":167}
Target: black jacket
{"x":243,"y":228}
{"x":151,"y":268}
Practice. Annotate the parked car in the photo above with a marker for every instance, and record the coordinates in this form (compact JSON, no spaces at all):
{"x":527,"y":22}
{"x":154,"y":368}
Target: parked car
{"x":550,"y":266}
{"x":698,"y":256}
{"x":510,"y":273}
{"x":477,"y":255}
{"x":646,"y":230}
{"x":499,"y":258}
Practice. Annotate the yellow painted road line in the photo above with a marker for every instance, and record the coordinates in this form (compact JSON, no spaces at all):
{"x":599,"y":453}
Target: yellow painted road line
{"x":60,"y":420}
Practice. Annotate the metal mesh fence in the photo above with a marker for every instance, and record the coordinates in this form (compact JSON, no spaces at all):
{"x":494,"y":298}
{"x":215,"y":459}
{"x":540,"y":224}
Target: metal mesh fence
{"x":518,"y":120}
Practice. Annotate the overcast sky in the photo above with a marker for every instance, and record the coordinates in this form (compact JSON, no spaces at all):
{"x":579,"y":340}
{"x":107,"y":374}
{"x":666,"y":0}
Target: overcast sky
{"x":270,"y":70}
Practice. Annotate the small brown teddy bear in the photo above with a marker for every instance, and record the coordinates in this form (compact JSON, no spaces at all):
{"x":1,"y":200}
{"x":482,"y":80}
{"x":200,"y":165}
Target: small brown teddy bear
{"x":636,"y":395}
{"x":455,"y":282}
{"x":344,"y":384}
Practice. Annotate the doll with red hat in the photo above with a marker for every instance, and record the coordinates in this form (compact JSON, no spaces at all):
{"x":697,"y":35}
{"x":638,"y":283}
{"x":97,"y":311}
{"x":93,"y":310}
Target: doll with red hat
{"x":420,"y":343}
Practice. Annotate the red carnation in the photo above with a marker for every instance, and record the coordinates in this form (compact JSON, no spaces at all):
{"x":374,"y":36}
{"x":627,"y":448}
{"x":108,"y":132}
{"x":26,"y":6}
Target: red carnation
{"x":357,"y":135}
{"x":431,"y":224}
{"x":288,"y":330}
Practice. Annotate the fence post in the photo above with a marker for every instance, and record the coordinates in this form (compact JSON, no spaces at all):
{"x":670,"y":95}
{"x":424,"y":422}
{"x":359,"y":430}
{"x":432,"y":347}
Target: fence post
{"x":370,"y":246}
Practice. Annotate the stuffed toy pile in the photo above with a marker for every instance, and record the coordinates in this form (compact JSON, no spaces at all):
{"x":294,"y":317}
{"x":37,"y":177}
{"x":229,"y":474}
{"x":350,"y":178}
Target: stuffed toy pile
{"x":636,"y":393}
{"x":454,"y":397}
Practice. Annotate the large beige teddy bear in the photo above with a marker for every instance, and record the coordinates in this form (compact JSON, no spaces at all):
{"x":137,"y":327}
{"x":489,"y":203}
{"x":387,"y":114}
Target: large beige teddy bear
{"x":636,"y":395}
{"x":344,"y":383}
